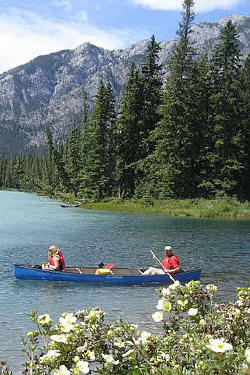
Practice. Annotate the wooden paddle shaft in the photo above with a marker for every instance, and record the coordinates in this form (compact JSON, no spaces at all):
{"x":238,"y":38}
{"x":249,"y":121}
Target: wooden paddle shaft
{"x":158,"y":261}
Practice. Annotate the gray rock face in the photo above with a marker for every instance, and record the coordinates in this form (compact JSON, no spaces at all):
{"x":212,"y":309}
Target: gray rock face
{"x":48,"y":89}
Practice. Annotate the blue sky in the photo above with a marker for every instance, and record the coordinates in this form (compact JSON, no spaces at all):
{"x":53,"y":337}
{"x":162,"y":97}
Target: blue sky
{"x":29,"y":28}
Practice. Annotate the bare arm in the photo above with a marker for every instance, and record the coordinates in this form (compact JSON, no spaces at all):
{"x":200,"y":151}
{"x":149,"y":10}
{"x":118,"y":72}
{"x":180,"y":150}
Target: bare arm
{"x":174,"y":270}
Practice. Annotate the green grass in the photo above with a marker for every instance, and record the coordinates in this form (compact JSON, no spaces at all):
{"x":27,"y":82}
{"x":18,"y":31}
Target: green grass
{"x":229,"y":207}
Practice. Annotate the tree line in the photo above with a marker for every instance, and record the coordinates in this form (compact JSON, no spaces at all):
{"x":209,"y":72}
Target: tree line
{"x":183,"y":136}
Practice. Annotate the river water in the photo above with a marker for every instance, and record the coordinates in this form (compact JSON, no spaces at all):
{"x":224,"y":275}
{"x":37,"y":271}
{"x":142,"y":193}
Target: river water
{"x":29,"y":224}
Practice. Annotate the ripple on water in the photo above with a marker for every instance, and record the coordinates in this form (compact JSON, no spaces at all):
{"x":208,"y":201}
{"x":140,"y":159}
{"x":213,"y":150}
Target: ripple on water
{"x":29,"y":224}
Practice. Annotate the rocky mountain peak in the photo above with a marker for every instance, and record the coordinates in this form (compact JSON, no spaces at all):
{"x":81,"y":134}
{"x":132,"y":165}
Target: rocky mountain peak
{"x":48,"y":89}
{"x":235,"y":18}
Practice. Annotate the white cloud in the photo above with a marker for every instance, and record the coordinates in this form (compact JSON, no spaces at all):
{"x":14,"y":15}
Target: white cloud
{"x":201,"y":5}
{"x":63,"y":3}
{"x":25,"y":35}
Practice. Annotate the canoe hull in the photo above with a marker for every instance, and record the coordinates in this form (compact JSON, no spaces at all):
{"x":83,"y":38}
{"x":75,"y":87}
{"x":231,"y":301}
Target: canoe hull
{"x":28,"y":273}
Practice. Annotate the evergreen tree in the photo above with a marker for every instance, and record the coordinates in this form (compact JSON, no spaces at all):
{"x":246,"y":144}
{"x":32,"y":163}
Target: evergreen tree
{"x":152,"y":84}
{"x":175,"y":165}
{"x":130,"y":133}
{"x":73,"y":157}
{"x":85,"y":108}
{"x":56,"y":158}
{"x":152,"y":92}
{"x":225,"y":127}
{"x":244,"y":117}
{"x":97,"y":169}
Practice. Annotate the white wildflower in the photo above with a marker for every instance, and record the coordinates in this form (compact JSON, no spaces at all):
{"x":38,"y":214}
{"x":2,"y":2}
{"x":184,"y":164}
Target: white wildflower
{"x":175,"y":285}
{"x":93,"y":315}
{"x":158,"y":316}
{"x":91,"y":355}
{"x":44,"y":319}
{"x":247,"y":354}
{"x":193,"y":311}
{"x":219,"y":345}
{"x":130,"y":351}
{"x":182,"y":303}
{"x":52,"y":354}
{"x":164,"y":305}
{"x":67,"y":322}
{"x":110,"y":359}
{"x":211,"y":288}
{"x":61,"y":371}
{"x":144,"y":337}
{"x":67,"y":318}
{"x":59,"y":338}
{"x":165,"y":292}
{"x":202,"y":323}
{"x":82,"y":367}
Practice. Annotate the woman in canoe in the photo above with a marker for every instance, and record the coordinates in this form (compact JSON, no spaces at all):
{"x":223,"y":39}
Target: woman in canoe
{"x":169,"y":264}
{"x":56,"y":260}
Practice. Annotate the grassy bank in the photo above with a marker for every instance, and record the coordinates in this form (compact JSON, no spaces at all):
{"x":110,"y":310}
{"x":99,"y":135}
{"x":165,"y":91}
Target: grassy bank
{"x":229,"y":207}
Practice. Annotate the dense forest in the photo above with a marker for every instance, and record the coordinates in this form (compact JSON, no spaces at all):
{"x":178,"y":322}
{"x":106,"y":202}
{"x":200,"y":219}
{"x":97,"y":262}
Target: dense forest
{"x":187,"y":136}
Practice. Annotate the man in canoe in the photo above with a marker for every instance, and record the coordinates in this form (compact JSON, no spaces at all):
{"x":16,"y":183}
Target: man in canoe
{"x":169,"y":263}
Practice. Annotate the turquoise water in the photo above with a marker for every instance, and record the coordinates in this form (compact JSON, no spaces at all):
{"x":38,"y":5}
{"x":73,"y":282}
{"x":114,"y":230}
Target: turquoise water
{"x":29,"y":224}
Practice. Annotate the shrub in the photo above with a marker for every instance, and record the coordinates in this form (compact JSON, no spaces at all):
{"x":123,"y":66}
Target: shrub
{"x":199,"y":337}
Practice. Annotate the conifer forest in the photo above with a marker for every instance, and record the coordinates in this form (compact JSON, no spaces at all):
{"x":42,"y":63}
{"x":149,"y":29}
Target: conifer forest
{"x":184,"y":136}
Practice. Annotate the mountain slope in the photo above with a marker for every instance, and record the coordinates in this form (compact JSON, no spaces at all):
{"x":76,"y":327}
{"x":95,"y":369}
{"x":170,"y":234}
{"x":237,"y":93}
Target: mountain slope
{"x":48,"y":89}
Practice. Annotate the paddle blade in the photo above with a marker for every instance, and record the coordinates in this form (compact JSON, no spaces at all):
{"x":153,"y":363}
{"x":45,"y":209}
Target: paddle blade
{"x":110,"y":265}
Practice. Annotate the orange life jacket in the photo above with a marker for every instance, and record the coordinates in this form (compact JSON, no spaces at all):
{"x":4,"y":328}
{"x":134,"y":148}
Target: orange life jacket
{"x":170,"y":261}
{"x":62,"y":265}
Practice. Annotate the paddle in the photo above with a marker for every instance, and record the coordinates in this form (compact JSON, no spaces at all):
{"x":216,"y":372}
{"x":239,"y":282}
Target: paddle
{"x":109,"y":266}
{"x":159,"y":262}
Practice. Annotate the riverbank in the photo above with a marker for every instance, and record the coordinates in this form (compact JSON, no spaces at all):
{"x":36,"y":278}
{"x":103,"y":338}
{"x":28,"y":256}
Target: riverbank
{"x":199,"y":208}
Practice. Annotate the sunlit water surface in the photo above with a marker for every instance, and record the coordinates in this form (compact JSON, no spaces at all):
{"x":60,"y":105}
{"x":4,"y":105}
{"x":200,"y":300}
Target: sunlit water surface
{"x":29,"y":224}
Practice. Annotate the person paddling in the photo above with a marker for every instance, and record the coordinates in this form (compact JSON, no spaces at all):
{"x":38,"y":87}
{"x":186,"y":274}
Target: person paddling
{"x":170,"y":263}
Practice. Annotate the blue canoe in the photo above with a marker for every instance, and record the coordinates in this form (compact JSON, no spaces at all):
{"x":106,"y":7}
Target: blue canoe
{"x":120,"y":276}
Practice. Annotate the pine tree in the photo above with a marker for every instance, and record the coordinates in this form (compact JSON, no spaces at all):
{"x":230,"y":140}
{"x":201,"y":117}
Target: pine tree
{"x":85,"y":108}
{"x":175,"y":165}
{"x":244,"y":118}
{"x":130,"y":133}
{"x":72,"y":157}
{"x":61,"y":179}
{"x":150,"y":116}
{"x":225,"y":152}
{"x":152,"y":92}
{"x":97,"y":169}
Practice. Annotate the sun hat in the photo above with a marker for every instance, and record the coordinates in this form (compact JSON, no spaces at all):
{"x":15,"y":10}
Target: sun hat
{"x":168,"y":248}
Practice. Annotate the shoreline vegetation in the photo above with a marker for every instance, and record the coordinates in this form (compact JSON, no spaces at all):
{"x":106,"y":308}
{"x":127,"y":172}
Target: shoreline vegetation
{"x":196,"y":208}
{"x":229,"y":208}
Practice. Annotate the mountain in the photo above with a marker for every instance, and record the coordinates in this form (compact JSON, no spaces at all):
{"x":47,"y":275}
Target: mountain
{"x":48,"y":89}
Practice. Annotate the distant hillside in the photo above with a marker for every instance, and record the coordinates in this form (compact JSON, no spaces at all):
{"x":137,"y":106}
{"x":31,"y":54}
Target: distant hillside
{"x":48,"y":89}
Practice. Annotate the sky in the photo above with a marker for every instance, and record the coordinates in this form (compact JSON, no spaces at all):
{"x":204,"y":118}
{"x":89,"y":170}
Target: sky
{"x":29,"y":28}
